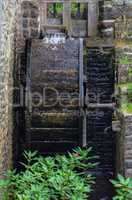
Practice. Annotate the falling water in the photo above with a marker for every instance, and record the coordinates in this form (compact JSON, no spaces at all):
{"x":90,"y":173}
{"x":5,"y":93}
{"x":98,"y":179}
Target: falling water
{"x":56,"y":38}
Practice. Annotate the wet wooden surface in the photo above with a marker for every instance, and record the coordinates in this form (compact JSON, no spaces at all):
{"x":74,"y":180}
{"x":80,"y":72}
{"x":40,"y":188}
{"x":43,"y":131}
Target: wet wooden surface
{"x":54,"y":85}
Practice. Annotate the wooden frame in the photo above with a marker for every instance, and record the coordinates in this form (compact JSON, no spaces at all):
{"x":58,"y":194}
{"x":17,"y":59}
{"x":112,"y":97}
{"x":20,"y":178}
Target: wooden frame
{"x":92,"y":21}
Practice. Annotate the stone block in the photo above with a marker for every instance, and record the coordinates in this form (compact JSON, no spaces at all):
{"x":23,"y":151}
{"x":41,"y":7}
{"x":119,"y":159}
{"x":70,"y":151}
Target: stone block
{"x":25,"y":23}
{"x":128,"y":163}
{"x":128,"y":173}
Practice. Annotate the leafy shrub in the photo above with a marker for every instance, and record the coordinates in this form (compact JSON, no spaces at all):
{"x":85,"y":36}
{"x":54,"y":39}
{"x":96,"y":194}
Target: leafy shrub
{"x":51,"y":178}
{"x":123,"y":188}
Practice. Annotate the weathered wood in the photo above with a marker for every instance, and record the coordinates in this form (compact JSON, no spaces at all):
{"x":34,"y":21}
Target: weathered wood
{"x":67,"y":16}
{"x":54,"y":134}
{"x":63,"y":1}
{"x":81,"y":88}
{"x":53,"y":118}
{"x":92,"y":18}
{"x":53,"y":147}
{"x":68,"y":23}
{"x":43,"y":15}
{"x":101,"y":105}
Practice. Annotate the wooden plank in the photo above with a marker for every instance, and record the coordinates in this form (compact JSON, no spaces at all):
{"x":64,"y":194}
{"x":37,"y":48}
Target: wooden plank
{"x":54,"y":134}
{"x":101,"y":105}
{"x":81,"y":88}
{"x":92,"y":18}
{"x":54,"y":26}
{"x":43,"y":15}
{"x":47,"y":147}
{"x":67,"y":16}
{"x":63,"y":1}
{"x":81,"y":94}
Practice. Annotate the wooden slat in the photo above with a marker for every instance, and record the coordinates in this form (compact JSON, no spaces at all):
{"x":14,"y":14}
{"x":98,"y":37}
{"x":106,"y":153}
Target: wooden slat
{"x":54,"y":134}
{"x":67,"y":16}
{"x":64,"y":1}
{"x":46,"y":147}
{"x":55,"y":26}
{"x":101,"y":105}
{"x":92,"y":18}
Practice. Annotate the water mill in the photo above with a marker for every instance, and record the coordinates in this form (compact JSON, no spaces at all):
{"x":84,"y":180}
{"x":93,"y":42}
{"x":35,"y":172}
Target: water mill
{"x":66,"y":84}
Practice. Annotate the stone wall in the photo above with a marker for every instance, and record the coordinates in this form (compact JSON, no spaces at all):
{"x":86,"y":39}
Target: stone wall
{"x":123,"y":49}
{"x":116,"y":25}
{"x":7,"y":24}
{"x":30,"y":19}
{"x":128,"y":145}
{"x":15,"y":27}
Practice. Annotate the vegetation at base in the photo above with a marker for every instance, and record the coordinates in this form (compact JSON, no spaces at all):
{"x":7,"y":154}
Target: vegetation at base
{"x":123,"y":188}
{"x":61,"y":177}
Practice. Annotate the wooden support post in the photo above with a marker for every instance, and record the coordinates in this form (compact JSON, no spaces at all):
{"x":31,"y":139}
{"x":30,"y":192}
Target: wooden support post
{"x":92,"y":18}
{"x":45,"y":12}
{"x":81,"y":94}
{"x":67,"y":16}
{"x":43,"y":15}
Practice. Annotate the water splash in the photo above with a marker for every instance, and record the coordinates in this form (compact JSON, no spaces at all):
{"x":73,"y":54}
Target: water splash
{"x":56,"y":38}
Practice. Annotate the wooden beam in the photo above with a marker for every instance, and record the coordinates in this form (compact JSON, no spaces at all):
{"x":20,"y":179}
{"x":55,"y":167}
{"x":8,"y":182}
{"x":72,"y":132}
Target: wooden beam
{"x":101,"y":105}
{"x":43,"y":15}
{"x":63,"y":1}
{"x":92,"y":18}
{"x":67,"y":16}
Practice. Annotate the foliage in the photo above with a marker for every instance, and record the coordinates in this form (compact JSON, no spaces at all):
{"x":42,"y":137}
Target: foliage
{"x":74,"y":7}
{"x":55,"y":9}
{"x":127,"y":104}
{"x":125,"y":61}
{"x":127,"y":107}
{"x":123,"y":188}
{"x":130,"y":71}
{"x":61,"y":177}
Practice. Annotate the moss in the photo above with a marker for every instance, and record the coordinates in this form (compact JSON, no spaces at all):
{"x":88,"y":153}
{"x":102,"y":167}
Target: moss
{"x":129,"y":86}
{"x":123,"y":43}
{"x":125,"y":61}
{"x":130,"y":71}
{"x":126,"y":107}
{"x":125,"y":85}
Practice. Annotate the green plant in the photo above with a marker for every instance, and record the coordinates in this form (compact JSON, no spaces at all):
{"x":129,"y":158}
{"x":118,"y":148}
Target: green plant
{"x":62,"y":177}
{"x":127,"y":107}
{"x":123,"y":188}
{"x":125,"y":60}
{"x":130,"y":71}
